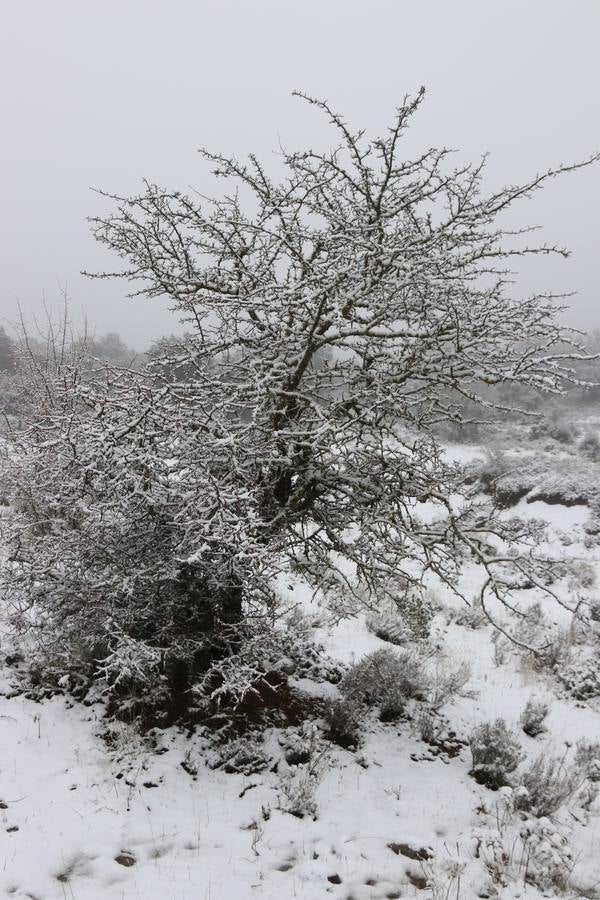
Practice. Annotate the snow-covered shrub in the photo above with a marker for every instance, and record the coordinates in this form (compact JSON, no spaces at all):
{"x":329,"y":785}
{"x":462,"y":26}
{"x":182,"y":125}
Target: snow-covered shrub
{"x":429,"y":726}
{"x":471,"y":616}
{"x":533,"y":717}
{"x":344,"y":717}
{"x":298,"y":784}
{"x":546,"y":785}
{"x":491,"y":468}
{"x":590,"y":447}
{"x":545,"y":858}
{"x":594,"y":609}
{"x":389,"y":628}
{"x":409,"y":620}
{"x":298,"y":743}
{"x":551,"y":645}
{"x":543,"y":476}
{"x":563,"y":432}
{"x":555,"y":650}
{"x":581,"y":575}
{"x":495,"y":752}
{"x":447,"y":682}
{"x":243,"y":756}
{"x":580,"y":676}
{"x":386,"y":679}
{"x":587,"y":758}
{"x":298,"y":789}
{"x":416,"y":607}
{"x":522,"y":849}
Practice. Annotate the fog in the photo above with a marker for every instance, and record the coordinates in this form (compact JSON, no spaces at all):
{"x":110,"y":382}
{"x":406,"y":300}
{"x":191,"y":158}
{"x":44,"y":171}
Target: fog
{"x":103,"y":94}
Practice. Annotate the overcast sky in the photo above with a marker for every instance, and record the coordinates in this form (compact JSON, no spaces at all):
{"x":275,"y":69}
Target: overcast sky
{"x":106,"y":92}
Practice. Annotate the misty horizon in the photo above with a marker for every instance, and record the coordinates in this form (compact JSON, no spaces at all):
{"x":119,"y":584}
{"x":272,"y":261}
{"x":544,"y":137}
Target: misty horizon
{"x":107,"y":97}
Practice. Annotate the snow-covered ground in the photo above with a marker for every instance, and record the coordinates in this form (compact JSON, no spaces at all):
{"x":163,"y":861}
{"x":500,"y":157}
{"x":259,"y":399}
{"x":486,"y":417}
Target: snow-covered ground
{"x":396,"y":818}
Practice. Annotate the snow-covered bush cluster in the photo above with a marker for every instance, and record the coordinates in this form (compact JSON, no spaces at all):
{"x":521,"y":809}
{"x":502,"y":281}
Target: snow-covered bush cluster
{"x":345,"y":718}
{"x":563,"y":432}
{"x":580,"y":676}
{"x":298,"y":784}
{"x":587,"y":758}
{"x":547,"y":784}
{"x":533,"y":717}
{"x":535,"y":852}
{"x":388,"y":680}
{"x":241,"y":756}
{"x":496,"y":753}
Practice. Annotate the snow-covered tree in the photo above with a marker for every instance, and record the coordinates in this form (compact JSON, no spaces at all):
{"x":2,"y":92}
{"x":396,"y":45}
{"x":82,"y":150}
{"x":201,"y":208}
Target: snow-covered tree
{"x":333,"y":318}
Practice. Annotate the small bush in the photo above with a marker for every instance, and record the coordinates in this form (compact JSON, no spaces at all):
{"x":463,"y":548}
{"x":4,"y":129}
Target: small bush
{"x":590,"y":447}
{"x":594,"y":610}
{"x":388,"y":628}
{"x":544,"y":856}
{"x":496,"y":753}
{"x":472,"y":616}
{"x":448,"y":682}
{"x":494,"y":465}
{"x":244,"y":756}
{"x":386,"y":679}
{"x":547,"y":785}
{"x":556,"y":651}
{"x":562,"y":432}
{"x":587,"y":759}
{"x":409,"y":618}
{"x":416,"y":609}
{"x":298,"y":785}
{"x":299,"y":743}
{"x":524,"y":850}
{"x":428,"y":726}
{"x":298,"y":789}
{"x":581,"y":575}
{"x":533,"y":717}
{"x":553,"y":644}
{"x":343,"y":716}
{"x":581,"y":677}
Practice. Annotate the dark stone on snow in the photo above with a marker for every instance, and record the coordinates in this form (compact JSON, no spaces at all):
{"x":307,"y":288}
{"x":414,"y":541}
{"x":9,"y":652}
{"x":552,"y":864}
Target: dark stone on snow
{"x":418,"y":853}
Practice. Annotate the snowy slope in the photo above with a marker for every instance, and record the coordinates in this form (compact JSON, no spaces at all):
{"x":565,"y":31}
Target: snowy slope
{"x":397,"y":818}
